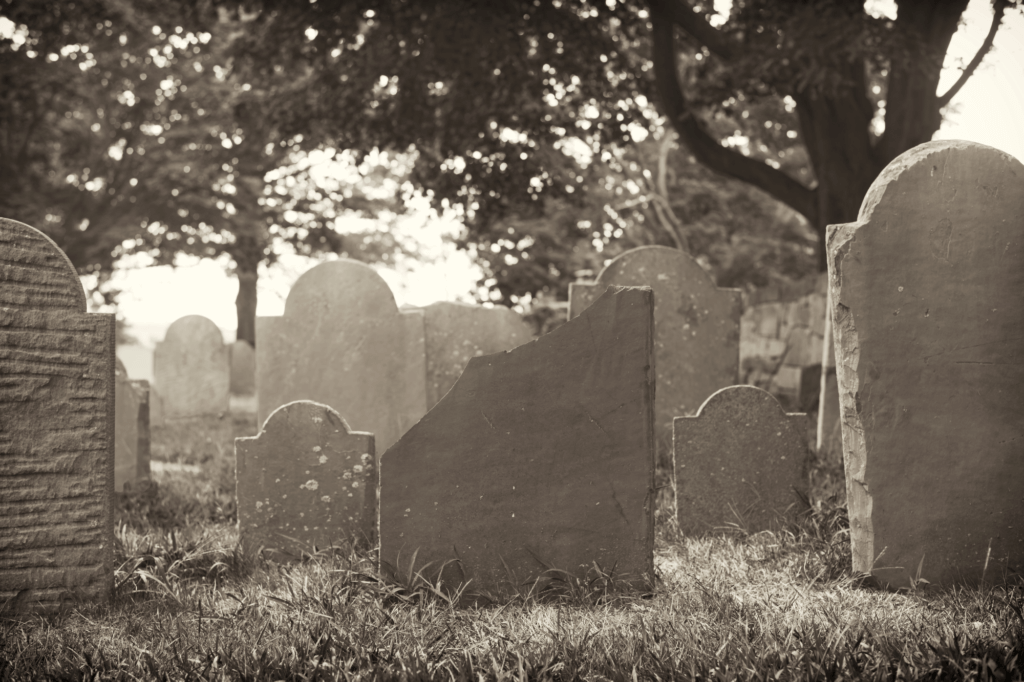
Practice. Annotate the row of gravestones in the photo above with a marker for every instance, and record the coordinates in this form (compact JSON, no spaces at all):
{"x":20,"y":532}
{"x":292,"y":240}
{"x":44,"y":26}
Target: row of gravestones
{"x":543,"y":457}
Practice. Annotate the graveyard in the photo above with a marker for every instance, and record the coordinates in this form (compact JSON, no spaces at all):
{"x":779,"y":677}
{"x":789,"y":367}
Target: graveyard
{"x":436,"y":494}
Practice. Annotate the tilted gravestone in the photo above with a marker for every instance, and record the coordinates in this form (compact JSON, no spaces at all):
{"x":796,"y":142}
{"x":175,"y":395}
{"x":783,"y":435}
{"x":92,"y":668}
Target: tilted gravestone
{"x":696,"y":328}
{"x":243,"y":368}
{"x":739,"y":462}
{"x":131,"y":429}
{"x":457,"y":332}
{"x":191,"y":370}
{"x":305,"y":482}
{"x":540,"y":457}
{"x":56,"y":430}
{"x":343,"y":342}
{"x":928,"y":322}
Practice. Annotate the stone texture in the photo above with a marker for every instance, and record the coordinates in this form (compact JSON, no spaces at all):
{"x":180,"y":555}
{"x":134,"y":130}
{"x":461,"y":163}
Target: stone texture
{"x":56,"y":430}
{"x":926,"y":302}
{"x":343,"y":342}
{"x":457,"y":332}
{"x":542,"y":456}
{"x":306,"y":481}
{"x":739,"y":461}
{"x":191,"y":371}
{"x":131,"y":429}
{"x":243,"y":368}
{"x":696,"y":340}
{"x":829,"y":434}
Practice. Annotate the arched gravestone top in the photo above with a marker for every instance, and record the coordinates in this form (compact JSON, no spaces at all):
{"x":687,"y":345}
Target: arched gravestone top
{"x":34,"y":271}
{"x":926,"y":302}
{"x":194,"y":330}
{"x":343,"y":342}
{"x":738,"y":460}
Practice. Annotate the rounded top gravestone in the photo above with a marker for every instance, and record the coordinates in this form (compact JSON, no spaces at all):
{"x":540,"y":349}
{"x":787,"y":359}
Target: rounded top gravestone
{"x":191,"y":369}
{"x":36,"y":273}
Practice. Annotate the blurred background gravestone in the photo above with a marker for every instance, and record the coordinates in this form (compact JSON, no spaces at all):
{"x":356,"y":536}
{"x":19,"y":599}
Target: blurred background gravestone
{"x":243,"y":368}
{"x":926,"y":293}
{"x":56,"y":430}
{"x":131,"y":429}
{"x":191,"y":371}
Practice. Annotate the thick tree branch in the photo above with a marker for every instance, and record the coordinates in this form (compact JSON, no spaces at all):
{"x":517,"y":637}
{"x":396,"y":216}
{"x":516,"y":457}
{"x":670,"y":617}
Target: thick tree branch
{"x":683,"y":16}
{"x":707,"y":150}
{"x":998,"y":7}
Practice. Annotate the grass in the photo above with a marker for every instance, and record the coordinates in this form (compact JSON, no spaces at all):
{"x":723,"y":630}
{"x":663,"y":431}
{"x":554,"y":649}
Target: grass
{"x":779,"y":605}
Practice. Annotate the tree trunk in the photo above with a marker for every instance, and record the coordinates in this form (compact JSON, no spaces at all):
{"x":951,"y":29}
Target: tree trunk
{"x":245,"y":305}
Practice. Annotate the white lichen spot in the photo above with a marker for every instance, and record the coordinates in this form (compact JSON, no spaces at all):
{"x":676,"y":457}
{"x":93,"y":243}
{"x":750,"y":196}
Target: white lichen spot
{"x":277,"y":480}
{"x":311,"y":484}
{"x":355,"y":484}
{"x":323,"y":459}
{"x":317,"y":420}
{"x":357,"y":469}
{"x":302,"y":515}
{"x":347,"y":475}
{"x":325,"y":498}
{"x":316,"y":448}
{"x":365,"y":458}
{"x":900,"y":289}
{"x":259,"y":505}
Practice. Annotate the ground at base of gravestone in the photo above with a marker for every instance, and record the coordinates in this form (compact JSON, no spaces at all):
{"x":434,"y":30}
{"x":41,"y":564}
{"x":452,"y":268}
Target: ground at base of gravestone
{"x":780,"y":605}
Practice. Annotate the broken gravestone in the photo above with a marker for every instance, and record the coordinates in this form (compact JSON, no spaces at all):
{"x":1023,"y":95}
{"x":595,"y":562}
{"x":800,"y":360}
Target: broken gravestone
{"x":739,"y":463}
{"x":343,"y":342}
{"x":696,"y":329}
{"x":131,"y":429}
{"x":190,"y":371}
{"x":538,"y":458}
{"x":457,"y":332}
{"x":243,"y":368}
{"x":305,"y":482}
{"x":56,"y":430}
{"x":926,"y":302}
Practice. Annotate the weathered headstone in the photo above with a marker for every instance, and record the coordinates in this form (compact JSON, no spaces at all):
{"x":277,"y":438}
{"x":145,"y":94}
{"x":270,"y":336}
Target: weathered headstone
{"x":243,"y":368}
{"x":56,"y":430}
{"x":539,"y":457}
{"x":305,"y":482}
{"x":131,"y":429}
{"x":696,"y":328}
{"x":739,"y":461}
{"x":457,"y":332}
{"x":343,"y":342}
{"x":191,"y":370}
{"x":829,"y":434}
{"x":926,"y":290}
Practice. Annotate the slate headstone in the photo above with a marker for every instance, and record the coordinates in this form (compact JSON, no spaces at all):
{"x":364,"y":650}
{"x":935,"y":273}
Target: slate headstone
{"x":927,"y":288}
{"x":343,"y":342}
{"x":131,"y":429}
{"x":191,"y":370}
{"x":243,"y":368}
{"x":696,"y":337}
{"x":306,"y":481}
{"x":56,"y":430}
{"x":457,"y":332}
{"x":539,"y":457}
{"x":739,"y":463}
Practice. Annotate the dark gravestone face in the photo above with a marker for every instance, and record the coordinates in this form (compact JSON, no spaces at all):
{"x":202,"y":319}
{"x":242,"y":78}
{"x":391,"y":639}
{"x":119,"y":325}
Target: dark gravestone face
{"x":56,"y":430}
{"x":538,"y":457}
{"x":926,"y":291}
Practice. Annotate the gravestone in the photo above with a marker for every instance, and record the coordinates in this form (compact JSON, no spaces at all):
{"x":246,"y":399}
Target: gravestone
{"x":306,"y":481}
{"x":539,"y":457}
{"x":829,"y":434}
{"x":343,"y":342}
{"x":927,"y":288}
{"x":457,"y":332}
{"x":191,"y":371}
{"x":243,"y":368}
{"x":739,"y":461}
{"x":696,"y":328}
{"x":131,"y":429}
{"x":56,"y":430}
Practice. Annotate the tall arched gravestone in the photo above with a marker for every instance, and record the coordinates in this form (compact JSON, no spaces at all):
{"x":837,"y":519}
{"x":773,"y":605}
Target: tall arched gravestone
{"x":131,"y":429}
{"x":928,"y":319}
{"x":740,"y":461}
{"x":305,"y":481}
{"x":540,"y":457}
{"x":457,"y":333}
{"x":56,"y":430}
{"x":696,"y":329}
{"x":343,"y":342}
{"x":191,"y":370}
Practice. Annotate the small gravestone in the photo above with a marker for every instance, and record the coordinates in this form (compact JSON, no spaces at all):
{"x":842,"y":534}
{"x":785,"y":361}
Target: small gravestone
{"x":696,"y":327}
{"x":131,"y":430}
{"x":243,"y":368}
{"x":829,"y":434}
{"x":56,"y":430}
{"x":343,"y":342}
{"x":927,"y":288}
{"x":191,"y":370}
{"x":739,"y":463}
{"x":305,"y":482}
{"x":538,"y":458}
{"x":457,"y":332}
